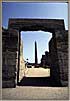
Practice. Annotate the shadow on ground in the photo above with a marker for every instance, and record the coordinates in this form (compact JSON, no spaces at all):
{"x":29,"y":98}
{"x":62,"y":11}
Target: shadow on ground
{"x":38,"y":81}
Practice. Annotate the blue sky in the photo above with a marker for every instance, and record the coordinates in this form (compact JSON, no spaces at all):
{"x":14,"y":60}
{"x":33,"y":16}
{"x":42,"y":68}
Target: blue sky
{"x":34,"y":10}
{"x":29,"y":38}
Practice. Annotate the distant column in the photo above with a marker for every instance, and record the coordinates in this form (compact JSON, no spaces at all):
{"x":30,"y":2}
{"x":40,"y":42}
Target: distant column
{"x":36,"y":61}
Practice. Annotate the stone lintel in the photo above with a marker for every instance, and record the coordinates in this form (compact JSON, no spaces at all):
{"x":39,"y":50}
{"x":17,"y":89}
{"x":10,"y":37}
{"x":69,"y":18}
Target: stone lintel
{"x":36,"y":24}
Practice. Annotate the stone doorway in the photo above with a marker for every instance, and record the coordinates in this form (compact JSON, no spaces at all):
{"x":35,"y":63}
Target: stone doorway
{"x":31,"y":71}
{"x":58,"y":44}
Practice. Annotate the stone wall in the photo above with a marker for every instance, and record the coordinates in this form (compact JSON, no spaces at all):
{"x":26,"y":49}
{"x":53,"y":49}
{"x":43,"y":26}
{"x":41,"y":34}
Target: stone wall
{"x":9,"y":57}
{"x":55,"y":75}
{"x":22,"y":62}
{"x":43,"y":61}
{"x":46,"y":60}
{"x":62,"y":51}
{"x":58,"y":50}
{"x":50,"y":59}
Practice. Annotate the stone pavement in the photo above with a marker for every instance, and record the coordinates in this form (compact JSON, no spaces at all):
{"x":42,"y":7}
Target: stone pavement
{"x":35,"y":93}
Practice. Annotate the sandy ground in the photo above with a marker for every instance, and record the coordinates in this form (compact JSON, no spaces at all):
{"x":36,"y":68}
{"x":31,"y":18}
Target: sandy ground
{"x":34,"y":72}
{"x":33,"y":93}
{"x":37,"y":72}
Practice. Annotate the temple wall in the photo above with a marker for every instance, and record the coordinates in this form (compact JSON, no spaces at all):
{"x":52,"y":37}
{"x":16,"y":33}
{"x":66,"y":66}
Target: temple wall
{"x":46,"y":60}
{"x":22,"y":62}
{"x":9,"y":57}
{"x":62,"y":51}
{"x":54,"y":67}
{"x":58,"y":49}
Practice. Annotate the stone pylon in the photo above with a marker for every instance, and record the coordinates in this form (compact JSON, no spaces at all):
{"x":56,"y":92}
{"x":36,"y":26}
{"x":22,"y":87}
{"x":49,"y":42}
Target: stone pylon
{"x":36,"y":61}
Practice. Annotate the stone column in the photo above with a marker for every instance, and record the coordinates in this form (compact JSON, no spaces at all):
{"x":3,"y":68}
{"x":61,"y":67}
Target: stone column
{"x":62,"y":51}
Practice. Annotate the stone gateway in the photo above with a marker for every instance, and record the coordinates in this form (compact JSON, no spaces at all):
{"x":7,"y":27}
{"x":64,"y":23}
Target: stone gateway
{"x":58,"y":49}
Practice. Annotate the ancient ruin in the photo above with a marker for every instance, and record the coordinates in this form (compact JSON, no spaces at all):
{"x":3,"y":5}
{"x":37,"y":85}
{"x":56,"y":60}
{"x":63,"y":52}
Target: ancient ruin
{"x":57,"y":58}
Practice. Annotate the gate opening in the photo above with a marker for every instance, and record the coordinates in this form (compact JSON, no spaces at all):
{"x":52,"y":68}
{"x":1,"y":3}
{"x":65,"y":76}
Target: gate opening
{"x":28,"y":68}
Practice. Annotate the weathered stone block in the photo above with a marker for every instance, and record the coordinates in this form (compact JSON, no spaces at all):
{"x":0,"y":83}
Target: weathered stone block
{"x":8,"y":83}
{"x":8,"y":75}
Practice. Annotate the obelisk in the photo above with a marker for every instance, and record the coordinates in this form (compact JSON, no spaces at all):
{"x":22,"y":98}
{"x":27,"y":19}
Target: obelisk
{"x":36,"y":61}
